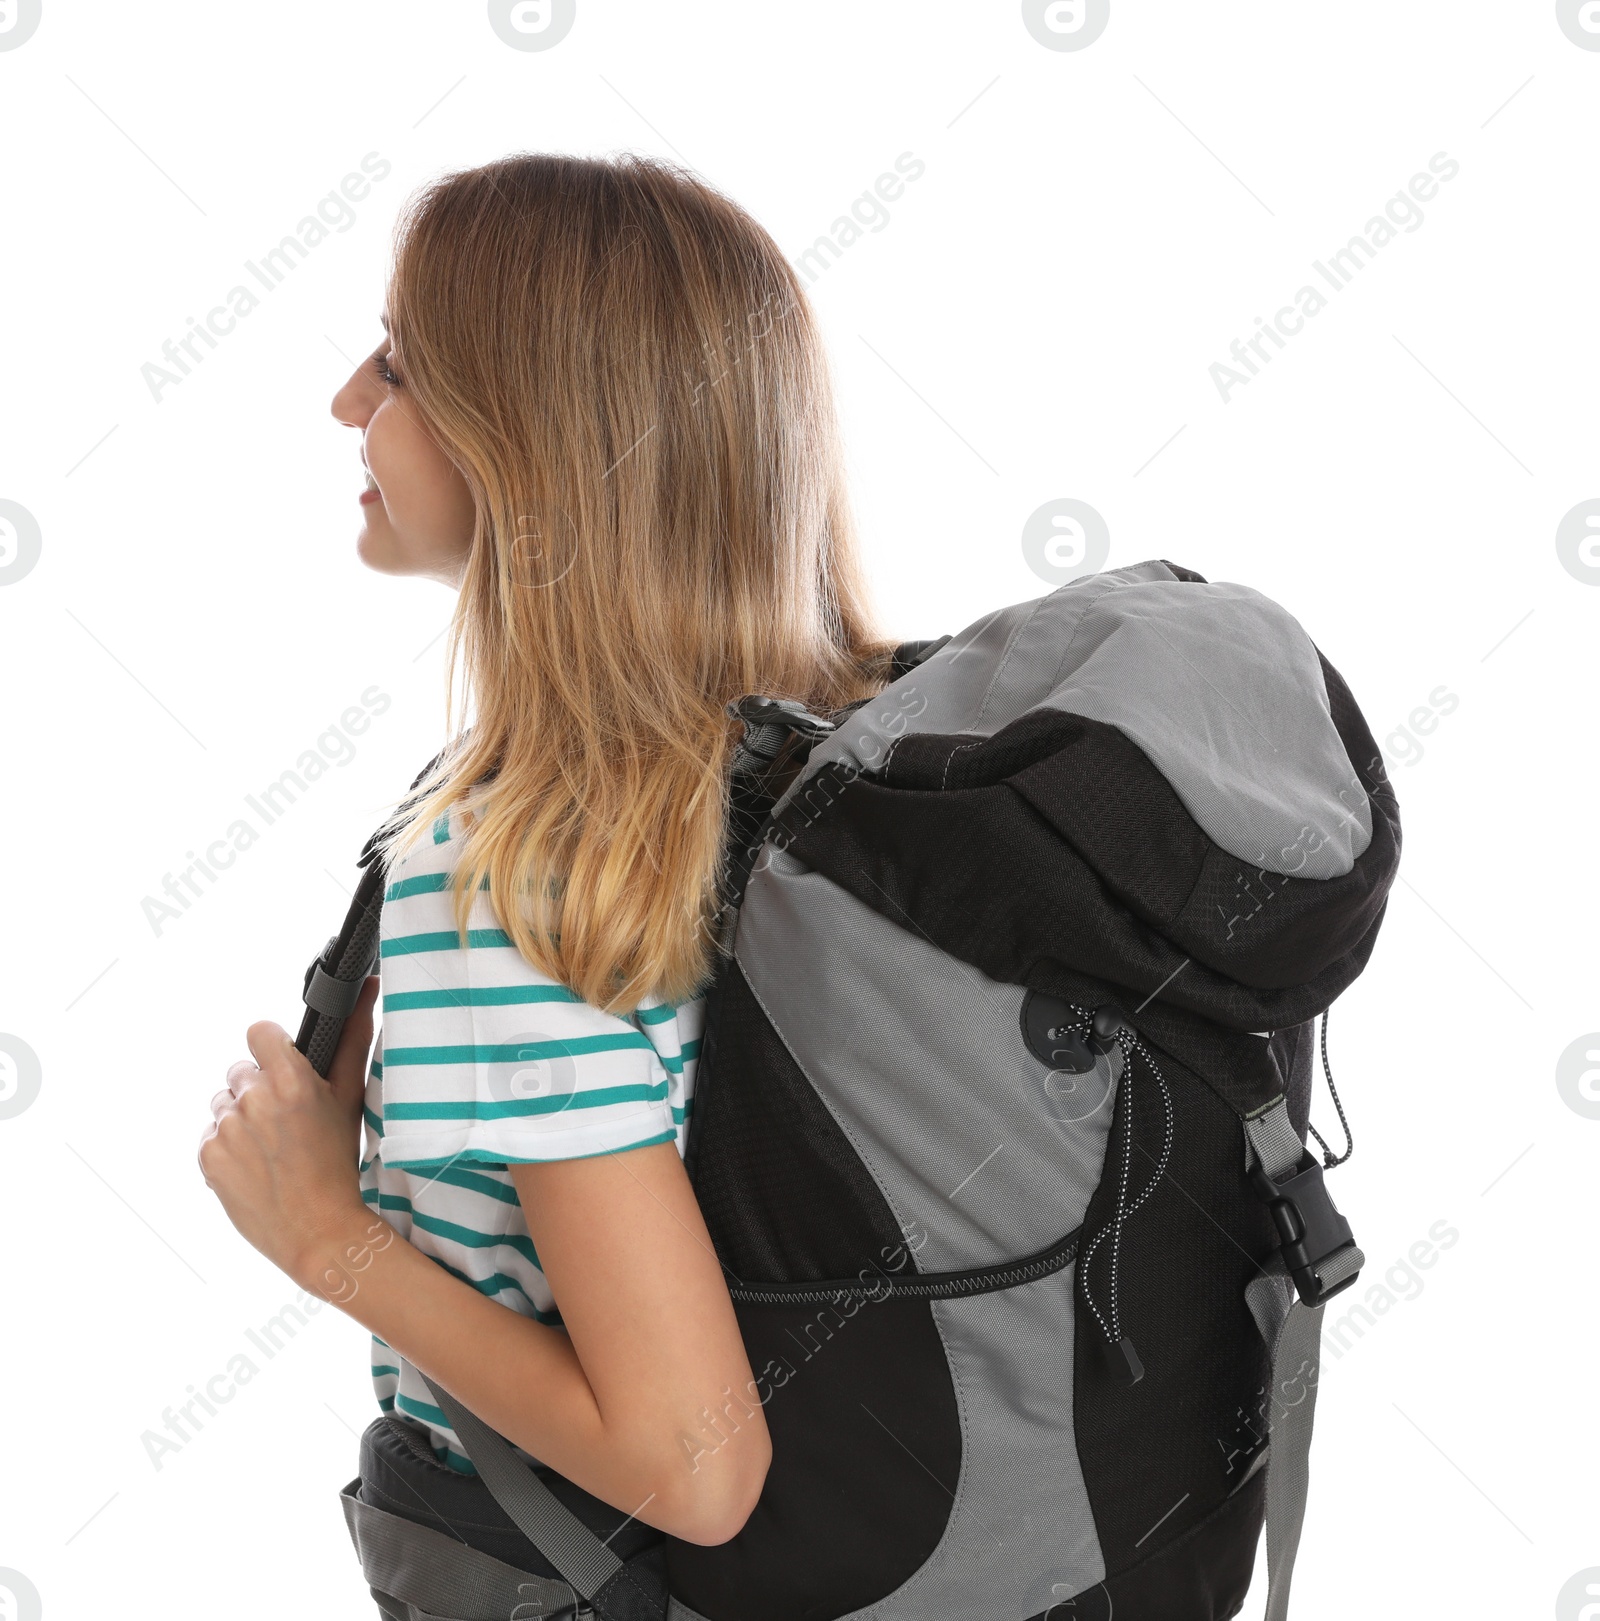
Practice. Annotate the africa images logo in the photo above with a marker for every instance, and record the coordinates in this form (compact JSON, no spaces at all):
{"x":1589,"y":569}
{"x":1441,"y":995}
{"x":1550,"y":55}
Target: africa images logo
{"x":18,"y":19}
{"x":20,"y":1079}
{"x":20,"y":541}
{"x":19,"y":1598}
{"x":1066,"y":25}
{"x":1580,"y":22}
{"x":1065,"y":539}
{"x":532,"y":25}
{"x":1577,"y":542}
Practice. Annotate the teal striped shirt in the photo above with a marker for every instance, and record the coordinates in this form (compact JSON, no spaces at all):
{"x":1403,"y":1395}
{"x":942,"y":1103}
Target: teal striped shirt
{"x":484,"y":1062}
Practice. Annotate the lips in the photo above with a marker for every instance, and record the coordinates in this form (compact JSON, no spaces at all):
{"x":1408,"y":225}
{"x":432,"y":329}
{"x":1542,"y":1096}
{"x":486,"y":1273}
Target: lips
{"x":372,"y":492}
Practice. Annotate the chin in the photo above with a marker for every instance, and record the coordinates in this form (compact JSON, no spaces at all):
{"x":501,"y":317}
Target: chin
{"x":382,"y":553}
{"x":378,"y":552}
{"x":373,"y":553}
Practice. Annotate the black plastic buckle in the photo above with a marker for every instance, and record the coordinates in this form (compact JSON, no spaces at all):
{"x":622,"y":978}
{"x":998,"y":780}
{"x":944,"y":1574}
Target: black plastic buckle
{"x":1310,"y":1230}
{"x":757,"y":711}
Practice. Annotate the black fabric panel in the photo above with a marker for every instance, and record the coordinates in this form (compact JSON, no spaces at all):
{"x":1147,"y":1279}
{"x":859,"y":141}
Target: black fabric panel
{"x":1269,"y":928}
{"x":1366,"y":758}
{"x":1244,"y":1070}
{"x":866,"y":1456}
{"x":1099,"y":790}
{"x":1203,"y":1576}
{"x":784,"y":1194}
{"x":1266,"y":930}
{"x":1194,"y":1422}
{"x":1074,"y":850}
{"x":980,"y":875}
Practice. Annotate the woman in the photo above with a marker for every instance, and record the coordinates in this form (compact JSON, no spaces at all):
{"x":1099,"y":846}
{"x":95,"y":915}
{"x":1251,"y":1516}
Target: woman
{"x":601,"y":412}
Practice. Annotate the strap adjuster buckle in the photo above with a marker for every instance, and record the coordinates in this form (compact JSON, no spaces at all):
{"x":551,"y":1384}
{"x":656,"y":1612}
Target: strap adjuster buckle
{"x":322,"y":960}
{"x":324,"y":992}
{"x":1310,"y":1229}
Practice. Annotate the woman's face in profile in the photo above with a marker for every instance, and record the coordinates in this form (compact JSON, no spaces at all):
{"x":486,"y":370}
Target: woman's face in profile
{"x":417,"y":510}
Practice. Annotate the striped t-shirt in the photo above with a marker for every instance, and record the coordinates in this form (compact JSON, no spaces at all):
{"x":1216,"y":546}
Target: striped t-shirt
{"x":484,"y":1062}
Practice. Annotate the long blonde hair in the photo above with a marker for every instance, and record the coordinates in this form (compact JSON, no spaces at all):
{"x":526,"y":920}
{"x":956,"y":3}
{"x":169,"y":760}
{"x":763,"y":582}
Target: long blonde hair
{"x":626,"y":371}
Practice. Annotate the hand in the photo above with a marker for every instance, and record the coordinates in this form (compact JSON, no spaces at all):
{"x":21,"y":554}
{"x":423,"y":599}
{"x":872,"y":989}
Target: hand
{"x":284,"y":1144}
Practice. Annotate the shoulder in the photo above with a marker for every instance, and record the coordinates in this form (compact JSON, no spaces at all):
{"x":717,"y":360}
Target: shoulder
{"x":435,"y":845}
{"x":486,"y":1056}
{"x":420,"y":879}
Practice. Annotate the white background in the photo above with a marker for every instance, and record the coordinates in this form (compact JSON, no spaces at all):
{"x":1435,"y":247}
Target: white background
{"x":1035,"y":320}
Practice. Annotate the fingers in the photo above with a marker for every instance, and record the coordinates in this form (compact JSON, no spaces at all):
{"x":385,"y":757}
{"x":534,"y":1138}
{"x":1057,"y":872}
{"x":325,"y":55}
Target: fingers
{"x":224,"y":1099}
{"x":239,"y":1074}
{"x":268,"y":1042}
{"x":210,"y":1144}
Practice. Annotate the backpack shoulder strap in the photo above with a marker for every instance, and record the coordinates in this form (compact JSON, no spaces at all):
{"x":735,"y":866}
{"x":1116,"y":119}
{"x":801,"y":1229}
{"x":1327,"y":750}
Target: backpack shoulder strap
{"x":334,"y":979}
{"x":332,"y":985}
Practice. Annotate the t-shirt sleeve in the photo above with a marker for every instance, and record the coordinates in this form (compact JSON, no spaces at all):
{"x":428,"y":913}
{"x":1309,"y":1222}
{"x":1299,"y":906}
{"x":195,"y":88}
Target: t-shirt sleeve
{"x":487,"y":1059}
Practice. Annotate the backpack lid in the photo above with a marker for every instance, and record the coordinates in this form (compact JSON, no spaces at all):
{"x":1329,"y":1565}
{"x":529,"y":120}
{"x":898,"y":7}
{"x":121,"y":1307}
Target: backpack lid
{"x":1142,"y":776}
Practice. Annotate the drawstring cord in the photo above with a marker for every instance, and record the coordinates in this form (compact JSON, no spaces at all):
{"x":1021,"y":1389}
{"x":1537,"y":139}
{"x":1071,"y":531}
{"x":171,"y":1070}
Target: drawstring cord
{"x":1328,"y":1161}
{"x":1110,"y":1320}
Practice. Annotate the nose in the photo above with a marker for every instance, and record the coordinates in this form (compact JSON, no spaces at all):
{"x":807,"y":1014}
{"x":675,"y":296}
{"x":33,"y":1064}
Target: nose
{"x":353,"y":405}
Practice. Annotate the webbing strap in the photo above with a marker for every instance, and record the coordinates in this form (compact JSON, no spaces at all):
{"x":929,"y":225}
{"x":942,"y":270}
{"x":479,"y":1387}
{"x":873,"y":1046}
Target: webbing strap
{"x":581,"y":1557}
{"x":1293,"y":1334}
{"x":335,"y":997}
{"x":1292,"y":1331}
{"x":432,"y":1574}
{"x":1275,"y":1142}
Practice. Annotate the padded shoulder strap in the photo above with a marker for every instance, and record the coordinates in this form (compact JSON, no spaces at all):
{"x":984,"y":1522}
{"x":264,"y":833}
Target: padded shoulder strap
{"x":334,"y":979}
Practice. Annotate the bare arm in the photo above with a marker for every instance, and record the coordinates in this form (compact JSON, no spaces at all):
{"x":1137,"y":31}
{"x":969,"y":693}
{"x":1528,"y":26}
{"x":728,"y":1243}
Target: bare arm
{"x":647,"y":1400}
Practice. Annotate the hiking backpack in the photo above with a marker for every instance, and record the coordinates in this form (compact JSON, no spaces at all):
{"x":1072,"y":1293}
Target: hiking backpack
{"x":1000,"y":1115}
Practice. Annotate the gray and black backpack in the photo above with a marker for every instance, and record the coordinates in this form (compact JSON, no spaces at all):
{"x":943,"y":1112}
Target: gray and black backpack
{"x":999,"y":1129}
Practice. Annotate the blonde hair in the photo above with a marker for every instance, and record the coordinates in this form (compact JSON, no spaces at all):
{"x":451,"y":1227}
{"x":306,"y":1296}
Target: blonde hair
{"x":626,"y":371}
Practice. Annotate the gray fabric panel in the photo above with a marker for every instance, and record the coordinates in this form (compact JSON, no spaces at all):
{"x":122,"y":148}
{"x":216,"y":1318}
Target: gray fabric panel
{"x":1219,"y":686}
{"x":920,"y":1058}
{"x":435,"y":1575}
{"x":1020,"y":1529}
{"x":682,"y":1612}
{"x":534,"y":1509}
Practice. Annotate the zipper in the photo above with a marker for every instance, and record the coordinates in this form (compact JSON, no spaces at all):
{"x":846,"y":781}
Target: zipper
{"x":977,"y":1280}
